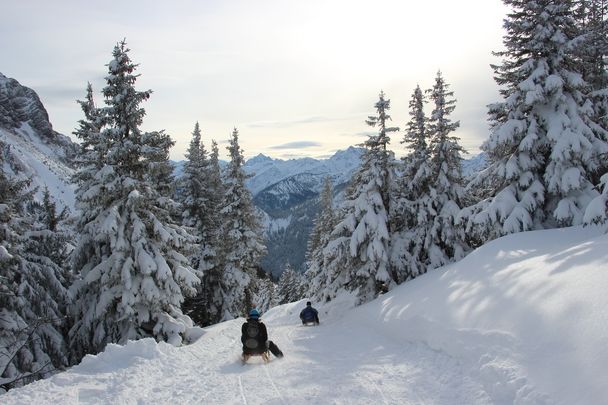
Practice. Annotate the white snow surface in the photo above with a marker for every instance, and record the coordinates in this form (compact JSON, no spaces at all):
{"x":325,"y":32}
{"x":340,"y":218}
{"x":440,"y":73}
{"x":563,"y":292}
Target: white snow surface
{"x":40,"y":163}
{"x":522,"y":320}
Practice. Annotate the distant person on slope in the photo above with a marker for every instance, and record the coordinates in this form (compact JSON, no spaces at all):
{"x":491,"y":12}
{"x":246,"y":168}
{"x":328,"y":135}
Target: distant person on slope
{"x":254,"y":337}
{"x":309,"y":315}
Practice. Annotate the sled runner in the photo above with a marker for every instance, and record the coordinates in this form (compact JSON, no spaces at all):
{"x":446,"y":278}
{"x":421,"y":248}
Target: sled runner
{"x":265,"y":356}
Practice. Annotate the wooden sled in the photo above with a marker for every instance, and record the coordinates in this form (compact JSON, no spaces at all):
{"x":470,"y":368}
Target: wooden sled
{"x":265,"y":356}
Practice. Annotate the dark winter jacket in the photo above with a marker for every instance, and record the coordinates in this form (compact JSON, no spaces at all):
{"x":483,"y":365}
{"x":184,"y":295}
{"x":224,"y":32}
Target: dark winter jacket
{"x":309,"y":314}
{"x":254,"y":336}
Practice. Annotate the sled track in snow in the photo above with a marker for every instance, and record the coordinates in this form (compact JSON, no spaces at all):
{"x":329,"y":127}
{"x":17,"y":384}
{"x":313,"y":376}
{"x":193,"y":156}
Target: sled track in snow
{"x":273,"y":384}
{"x":243,"y":397}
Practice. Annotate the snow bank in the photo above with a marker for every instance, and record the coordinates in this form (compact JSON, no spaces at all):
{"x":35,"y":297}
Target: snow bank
{"x":530,"y":307}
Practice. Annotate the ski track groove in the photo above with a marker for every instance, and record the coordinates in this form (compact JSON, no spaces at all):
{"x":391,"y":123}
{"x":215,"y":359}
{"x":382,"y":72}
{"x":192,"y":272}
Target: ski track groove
{"x":243,"y":397}
{"x":273,"y":384}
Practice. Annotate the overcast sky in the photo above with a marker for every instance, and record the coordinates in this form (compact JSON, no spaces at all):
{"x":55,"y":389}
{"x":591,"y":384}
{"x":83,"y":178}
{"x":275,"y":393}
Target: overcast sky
{"x":297,"y":78}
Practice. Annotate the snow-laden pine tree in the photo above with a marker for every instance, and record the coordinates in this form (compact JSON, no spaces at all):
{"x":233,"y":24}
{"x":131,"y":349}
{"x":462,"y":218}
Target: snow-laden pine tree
{"x":446,"y":238}
{"x":198,"y":214}
{"x":212,"y":265}
{"x":357,"y":255}
{"x":241,"y":235}
{"x":543,"y":149}
{"x":202,"y":196}
{"x":33,"y":286}
{"x":592,"y":50}
{"x":93,"y":148}
{"x":265,"y":294}
{"x":412,"y":206}
{"x":290,"y":287}
{"x":129,"y":261}
{"x":194,"y":189}
{"x":324,"y":223}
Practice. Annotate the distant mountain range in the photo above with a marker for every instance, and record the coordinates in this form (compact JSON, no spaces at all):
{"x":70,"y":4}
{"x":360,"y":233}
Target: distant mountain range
{"x":285,"y":191}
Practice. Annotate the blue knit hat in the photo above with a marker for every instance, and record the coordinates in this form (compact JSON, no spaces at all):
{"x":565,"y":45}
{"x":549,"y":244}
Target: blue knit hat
{"x":254,"y":314}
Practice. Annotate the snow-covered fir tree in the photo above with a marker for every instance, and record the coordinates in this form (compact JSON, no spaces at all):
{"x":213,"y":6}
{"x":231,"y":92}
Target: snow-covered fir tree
{"x":242,"y":242}
{"x":356,"y":257}
{"x":160,"y":169}
{"x":412,"y":209}
{"x":33,"y":285}
{"x":212,"y":265}
{"x":93,"y":148}
{"x":324,"y":223}
{"x":199,"y":214}
{"x":131,"y":270}
{"x":265,"y":294}
{"x":592,"y":50}
{"x":446,"y":239}
{"x":290,"y":287}
{"x":593,"y":53}
{"x":544,"y":148}
{"x":202,"y":195}
{"x":194,"y":190}
{"x":597,"y":210}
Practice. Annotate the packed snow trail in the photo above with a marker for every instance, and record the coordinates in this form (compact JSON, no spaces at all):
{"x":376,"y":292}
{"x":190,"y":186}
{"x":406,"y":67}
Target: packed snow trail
{"x":338,"y":362}
{"x":520,"y":321}
{"x":334,"y":363}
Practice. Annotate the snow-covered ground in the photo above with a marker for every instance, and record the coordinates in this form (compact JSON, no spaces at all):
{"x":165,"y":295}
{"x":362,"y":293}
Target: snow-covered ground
{"x":522,"y":320}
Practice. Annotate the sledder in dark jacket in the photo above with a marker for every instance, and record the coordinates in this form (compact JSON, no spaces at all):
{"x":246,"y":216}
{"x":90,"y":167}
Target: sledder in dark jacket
{"x":254,"y":336}
{"x":309,"y":315}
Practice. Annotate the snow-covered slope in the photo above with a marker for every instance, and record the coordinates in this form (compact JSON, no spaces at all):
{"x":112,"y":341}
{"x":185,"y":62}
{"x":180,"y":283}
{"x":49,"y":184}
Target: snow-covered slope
{"x":521,"y":320}
{"x":28,"y":157}
{"x":31,"y":148}
{"x":474,"y":164}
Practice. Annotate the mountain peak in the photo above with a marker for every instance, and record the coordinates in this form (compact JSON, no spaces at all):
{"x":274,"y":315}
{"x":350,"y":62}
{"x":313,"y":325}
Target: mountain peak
{"x":351,"y":152}
{"x":259,"y":158}
{"x":21,"y":105}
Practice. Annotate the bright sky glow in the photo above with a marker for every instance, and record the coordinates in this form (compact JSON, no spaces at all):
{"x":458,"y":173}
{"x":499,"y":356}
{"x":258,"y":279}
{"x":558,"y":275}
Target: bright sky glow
{"x":297,"y":78}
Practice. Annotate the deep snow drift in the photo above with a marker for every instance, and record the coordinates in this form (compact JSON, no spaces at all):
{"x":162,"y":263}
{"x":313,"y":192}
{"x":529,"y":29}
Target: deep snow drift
{"x":522,"y":320}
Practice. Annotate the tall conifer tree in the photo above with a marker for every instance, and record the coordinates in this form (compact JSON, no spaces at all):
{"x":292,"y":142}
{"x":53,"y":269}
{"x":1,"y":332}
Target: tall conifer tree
{"x":131,"y":271}
{"x":356,"y":256}
{"x":545,"y":147}
{"x":446,"y":238}
{"x":319,"y":237}
{"x":242,"y":242}
{"x":412,"y":210}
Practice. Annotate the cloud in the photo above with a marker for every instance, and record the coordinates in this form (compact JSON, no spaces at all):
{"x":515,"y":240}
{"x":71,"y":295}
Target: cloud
{"x":366,"y":133}
{"x":296,"y":145}
{"x":291,"y":123}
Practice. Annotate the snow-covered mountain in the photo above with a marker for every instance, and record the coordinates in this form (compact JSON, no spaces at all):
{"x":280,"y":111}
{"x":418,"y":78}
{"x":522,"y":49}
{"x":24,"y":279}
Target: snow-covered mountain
{"x":522,"y":320}
{"x":287,"y":191}
{"x":474,"y":164}
{"x":32,"y":149}
{"x":268,"y":172}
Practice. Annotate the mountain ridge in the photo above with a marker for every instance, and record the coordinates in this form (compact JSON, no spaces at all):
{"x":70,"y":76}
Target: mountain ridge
{"x":31,"y":148}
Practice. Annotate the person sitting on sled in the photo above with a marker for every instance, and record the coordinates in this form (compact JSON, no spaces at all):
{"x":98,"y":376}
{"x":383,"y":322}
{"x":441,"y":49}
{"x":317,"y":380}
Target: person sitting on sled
{"x":254,"y":337}
{"x":309,"y":315}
